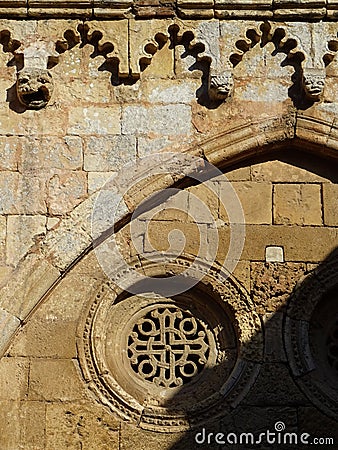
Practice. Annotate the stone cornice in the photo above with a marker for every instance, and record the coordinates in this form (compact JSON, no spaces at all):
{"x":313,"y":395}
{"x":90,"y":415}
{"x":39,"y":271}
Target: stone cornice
{"x":199,"y":9}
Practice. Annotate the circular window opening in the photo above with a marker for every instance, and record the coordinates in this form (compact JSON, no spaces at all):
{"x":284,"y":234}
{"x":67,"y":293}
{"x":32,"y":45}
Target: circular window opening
{"x":174,"y":351}
{"x":169,"y":364}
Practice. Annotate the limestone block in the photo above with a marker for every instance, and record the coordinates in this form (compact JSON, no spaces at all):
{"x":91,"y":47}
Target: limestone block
{"x":33,"y":278}
{"x":64,"y":244}
{"x":8,"y":326}
{"x":94,"y":120}
{"x":203,"y":203}
{"x":13,"y":378}
{"x":240,"y":174}
{"x":109,"y":153}
{"x":148,"y":145}
{"x":46,"y":335}
{"x":167,"y":120}
{"x":54,"y":380}
{"x":330,"y":201}
{"x":310,"y":244}
{"x":21,"y":194}
{"x":22,"y":233}
{"x":65,"y":191}
{"x":169,"y":91}
{"x":10,"y":150}
{"x":76,"y":425}
{"x":256,"y":201}
{"x":162,"y":64}
{"x":274,"y":254}
{"x":9,"y":429}
{"x":175,"y":237}
{"x":49,"y":152}
{"x":32,"y":425}
{"x":298,"y":204}
{"x":285,"y":172}
{"x":96,"y":180}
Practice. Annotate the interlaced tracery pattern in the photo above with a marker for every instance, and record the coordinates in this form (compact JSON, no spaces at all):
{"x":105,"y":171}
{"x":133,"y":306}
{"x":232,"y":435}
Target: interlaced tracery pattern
{"x":168,"y":346}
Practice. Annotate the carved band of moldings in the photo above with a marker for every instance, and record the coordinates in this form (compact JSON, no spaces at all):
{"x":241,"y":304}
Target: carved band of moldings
{"x":111,"y":316}
{"x":312,"y":307}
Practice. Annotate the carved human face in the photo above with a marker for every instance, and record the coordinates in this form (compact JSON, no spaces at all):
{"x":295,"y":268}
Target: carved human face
{"x":221,"y":85}
{"x":313,"y":84}
{"x":34,"y":87}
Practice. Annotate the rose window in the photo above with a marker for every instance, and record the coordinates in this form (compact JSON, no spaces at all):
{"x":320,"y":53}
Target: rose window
{"x":168,"y":346}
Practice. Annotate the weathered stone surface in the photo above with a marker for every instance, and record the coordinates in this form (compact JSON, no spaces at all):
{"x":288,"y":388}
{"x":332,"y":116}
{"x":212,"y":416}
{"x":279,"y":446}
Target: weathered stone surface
{"x":9,"y":420}
{"x":297,"y":204}
{"x":51,"y":152}
{"x":11,"y":148}
{"x":330,"y":204}
{"x":106,"y":154}
{"x":65,"y":191}
{"x":21,"y":194}
{"x":256,"y":201}
{"x":23,"y":232}
{"x":32,"y":279}
{"x":13,"y":378}
{"x":166,"y":120}
{"x":272,"y":284}
{"x":54,"y":380}
{"x":94,"y":120}
{"x":33,"y":424}
{"x":69,"y":426}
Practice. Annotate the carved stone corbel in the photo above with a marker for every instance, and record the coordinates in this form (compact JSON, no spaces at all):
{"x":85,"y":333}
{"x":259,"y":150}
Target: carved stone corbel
{"x":314,"y":83}
{"x":221,"y":85}
{"x":34,"y":85}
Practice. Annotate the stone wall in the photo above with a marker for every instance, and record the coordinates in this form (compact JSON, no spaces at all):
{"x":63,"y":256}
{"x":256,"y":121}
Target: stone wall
{"x":103,"y":178}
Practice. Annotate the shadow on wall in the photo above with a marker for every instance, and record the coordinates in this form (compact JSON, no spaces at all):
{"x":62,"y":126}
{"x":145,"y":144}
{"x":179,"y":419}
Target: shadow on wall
{"x":294,"y":398}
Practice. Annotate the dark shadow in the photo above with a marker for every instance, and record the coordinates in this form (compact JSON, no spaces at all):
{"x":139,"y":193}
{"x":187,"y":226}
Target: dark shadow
{"x":13,"y":101}
{"x":294,"y":393}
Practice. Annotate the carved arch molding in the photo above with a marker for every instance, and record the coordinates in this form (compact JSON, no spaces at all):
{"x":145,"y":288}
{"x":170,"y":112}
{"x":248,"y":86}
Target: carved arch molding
{"x":128,"y":46}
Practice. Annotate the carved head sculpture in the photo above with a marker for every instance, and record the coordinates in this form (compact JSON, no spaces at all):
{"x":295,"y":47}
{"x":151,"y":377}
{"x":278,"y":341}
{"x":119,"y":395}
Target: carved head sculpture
{"x":221,"y":85}
{"x":34,"y":87}
{"x":313,"y":83}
